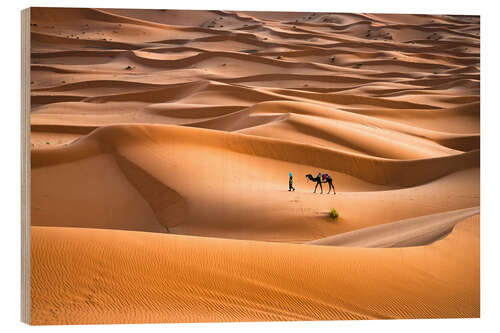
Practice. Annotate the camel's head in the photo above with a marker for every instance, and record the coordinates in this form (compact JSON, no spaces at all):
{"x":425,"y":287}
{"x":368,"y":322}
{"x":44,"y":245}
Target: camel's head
{"x":309,"y":176}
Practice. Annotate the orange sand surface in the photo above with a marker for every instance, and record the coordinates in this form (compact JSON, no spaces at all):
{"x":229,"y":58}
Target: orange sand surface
{"x":161,"y":143}
{"x":130,"y":276}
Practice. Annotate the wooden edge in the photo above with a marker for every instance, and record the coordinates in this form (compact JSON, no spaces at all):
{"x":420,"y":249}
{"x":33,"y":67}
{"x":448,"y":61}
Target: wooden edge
{"x":25,"y":167}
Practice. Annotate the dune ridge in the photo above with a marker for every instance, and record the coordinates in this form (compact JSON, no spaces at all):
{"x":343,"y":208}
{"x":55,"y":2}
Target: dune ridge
{"x":417,"y":231}
{"x":375,"y":170}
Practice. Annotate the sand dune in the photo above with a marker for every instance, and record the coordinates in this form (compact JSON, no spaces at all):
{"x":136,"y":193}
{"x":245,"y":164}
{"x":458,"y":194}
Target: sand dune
{"x":126,"y":277}
{"x":245,"y":170}
{"x":161,"y":143}
{"x":417,"y":231}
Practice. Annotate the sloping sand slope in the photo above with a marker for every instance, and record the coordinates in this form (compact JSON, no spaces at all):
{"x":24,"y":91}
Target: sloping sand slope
{"x":105,"y":276}
{"x":161,"y":143}
{"x":416,"y":231}
{"x":238,"y":190}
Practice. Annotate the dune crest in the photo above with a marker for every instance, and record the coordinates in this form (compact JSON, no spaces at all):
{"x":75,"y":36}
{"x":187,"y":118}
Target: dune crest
{"x":416,"y":231}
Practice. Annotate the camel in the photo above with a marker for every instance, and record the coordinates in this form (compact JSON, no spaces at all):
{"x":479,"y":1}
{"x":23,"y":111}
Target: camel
{"x":318,"y":181}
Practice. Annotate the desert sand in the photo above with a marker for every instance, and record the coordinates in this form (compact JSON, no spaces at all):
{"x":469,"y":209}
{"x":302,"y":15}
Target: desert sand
{"x":161,"y":143}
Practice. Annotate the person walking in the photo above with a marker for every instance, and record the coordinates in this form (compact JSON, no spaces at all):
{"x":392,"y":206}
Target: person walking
{"x":290,"y":183}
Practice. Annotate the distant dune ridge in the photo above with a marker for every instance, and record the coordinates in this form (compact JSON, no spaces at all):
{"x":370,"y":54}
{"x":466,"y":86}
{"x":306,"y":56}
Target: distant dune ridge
{"x":161,"y":143}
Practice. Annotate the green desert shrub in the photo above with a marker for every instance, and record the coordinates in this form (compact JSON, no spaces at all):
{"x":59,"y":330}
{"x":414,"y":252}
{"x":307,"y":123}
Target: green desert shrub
{"x":333,"y":214}
{"x":332,"y":59}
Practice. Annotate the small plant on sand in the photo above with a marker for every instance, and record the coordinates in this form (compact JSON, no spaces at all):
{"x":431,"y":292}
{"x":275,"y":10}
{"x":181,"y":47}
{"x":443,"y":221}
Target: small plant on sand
{"x":333,"y":214}
{"x":279,"y":57}
{"x":332,"y":59}
{"x":47,"y":143}
{"x":357,"y":66}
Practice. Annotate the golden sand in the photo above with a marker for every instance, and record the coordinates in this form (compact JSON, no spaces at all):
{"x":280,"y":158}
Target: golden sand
{"x":162,"y":142}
